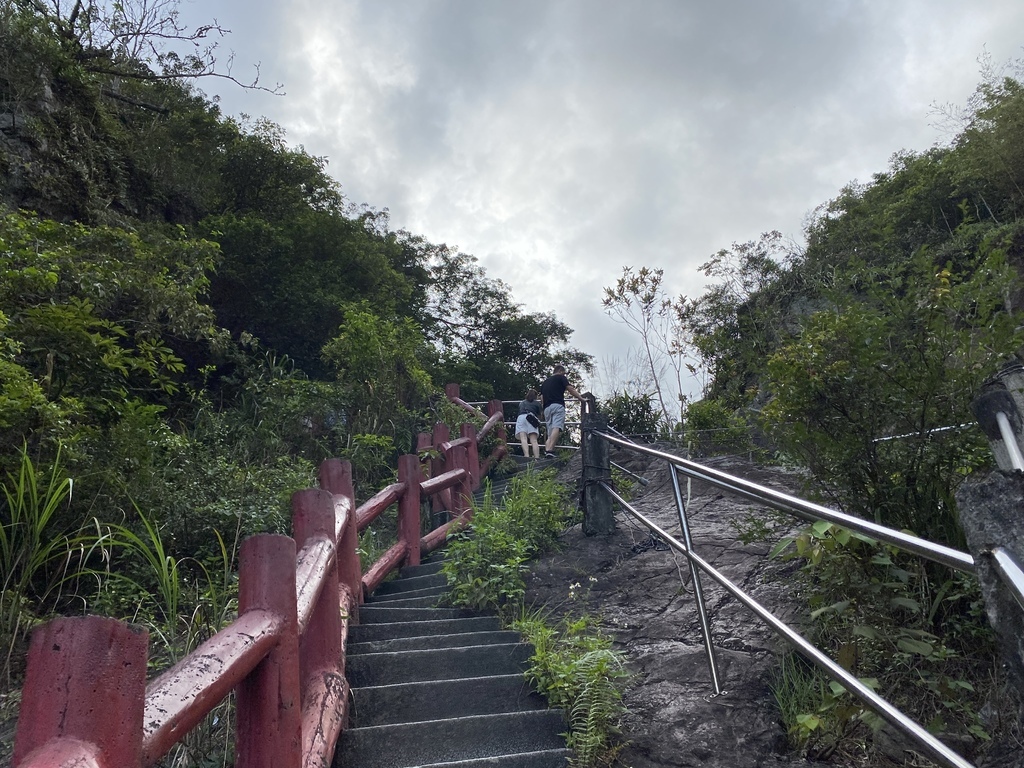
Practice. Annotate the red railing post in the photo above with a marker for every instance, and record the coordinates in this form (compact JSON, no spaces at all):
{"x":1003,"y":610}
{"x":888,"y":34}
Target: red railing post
{"x":462,"y":494}
{"x":409,"y":507}
{"x":324,"y":690}
{"x":496,"y":406}
{"x":84,"y":694}
{"x":424,"y":441}
{"x":468,"y":431}
{"x":336,"y":477}
{"x":269,"y":729}
{"x":439,"y":464}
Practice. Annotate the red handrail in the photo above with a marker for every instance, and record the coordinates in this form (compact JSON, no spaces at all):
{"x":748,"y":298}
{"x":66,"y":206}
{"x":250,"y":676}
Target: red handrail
{"x":85,"y":700}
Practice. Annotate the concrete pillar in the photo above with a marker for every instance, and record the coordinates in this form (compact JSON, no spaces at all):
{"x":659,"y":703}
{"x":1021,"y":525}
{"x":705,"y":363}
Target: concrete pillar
{"x":269,"y":703}
{"x":84,"y":693}
{"x":598,"y":517}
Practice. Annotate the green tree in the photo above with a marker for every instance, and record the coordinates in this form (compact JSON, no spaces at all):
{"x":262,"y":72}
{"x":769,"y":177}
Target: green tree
{"x":485,"y":340}
{"x":380,"y":365}
{"x":872,"y":393}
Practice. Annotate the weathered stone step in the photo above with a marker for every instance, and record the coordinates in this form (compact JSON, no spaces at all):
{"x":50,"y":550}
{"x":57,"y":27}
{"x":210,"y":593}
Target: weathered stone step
{"x":437,"y":664}
{"x":370,"y":613}
{"x":551,"y":758}
{"x":423,"y":569}
{"x":442,"y":700}
{"x":457,"y":739}
{"x":382,"y":630}
{"x":428,"y":592}
{"x":390,"y":597}
{"x":401,"y":600}
{"x":411,"y":583}
{"x":426,"y":642}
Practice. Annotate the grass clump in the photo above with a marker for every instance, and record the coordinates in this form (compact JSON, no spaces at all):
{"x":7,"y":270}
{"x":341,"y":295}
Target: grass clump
{"x":573,"y":665}
{"x":485,"y":563}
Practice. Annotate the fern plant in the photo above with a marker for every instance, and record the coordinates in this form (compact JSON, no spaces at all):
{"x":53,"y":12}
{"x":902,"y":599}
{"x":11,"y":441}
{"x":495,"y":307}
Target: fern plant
{"x":575,"y":667}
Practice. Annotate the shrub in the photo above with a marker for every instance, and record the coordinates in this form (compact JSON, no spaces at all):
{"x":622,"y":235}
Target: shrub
{"x":633,"y":415}
{"x":712,"y":428}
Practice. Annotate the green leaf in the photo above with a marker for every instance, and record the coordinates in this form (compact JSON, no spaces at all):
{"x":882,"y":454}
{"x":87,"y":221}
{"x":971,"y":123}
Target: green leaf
{"x":919,"y":647}
{"x":821,"y":527}
{"x":905,"y":602}
{"x":808,"y":722}
{"x":781,"y":547}
{"x":865,"y":630}
{"x":839,"y":607}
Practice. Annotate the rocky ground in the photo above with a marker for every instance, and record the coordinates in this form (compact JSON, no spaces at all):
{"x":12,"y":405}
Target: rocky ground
{"x":643,"y":595}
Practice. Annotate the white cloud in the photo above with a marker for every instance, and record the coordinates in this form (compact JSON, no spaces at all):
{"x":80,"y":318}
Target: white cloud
{"x":558,"y":140}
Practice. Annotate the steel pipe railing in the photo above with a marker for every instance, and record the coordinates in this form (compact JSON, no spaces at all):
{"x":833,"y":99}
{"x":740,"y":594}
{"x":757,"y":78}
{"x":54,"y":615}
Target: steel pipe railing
{"x":1010,"y":572}
{"x":930,"y":745}
{"x":807,"y":510}
{"x":698,"y":589}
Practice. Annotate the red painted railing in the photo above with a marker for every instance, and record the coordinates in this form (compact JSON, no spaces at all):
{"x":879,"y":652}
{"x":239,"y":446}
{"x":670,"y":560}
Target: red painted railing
{"x":85,"y":701}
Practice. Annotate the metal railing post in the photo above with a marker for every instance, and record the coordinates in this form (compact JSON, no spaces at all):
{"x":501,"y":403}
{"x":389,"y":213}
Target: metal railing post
{"x":698,"y":589}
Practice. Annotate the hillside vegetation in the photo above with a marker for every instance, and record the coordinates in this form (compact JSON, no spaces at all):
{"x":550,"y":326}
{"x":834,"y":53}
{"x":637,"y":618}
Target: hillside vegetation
{"x":857,"y":357}
{"x":192,"y":316}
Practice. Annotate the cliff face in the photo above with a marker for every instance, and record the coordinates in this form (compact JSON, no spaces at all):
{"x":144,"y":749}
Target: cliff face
{"x":55,"y":157}
{"x":76,"y":145}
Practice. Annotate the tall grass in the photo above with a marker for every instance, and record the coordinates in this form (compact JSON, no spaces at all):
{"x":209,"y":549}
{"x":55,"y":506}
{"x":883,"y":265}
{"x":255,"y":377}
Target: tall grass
{"x":38,"y":558}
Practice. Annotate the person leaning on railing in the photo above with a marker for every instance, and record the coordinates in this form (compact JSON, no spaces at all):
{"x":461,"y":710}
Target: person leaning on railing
{"x":552,"y":392}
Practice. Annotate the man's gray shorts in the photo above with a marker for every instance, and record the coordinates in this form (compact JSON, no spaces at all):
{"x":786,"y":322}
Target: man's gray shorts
{"x":554,"y":415}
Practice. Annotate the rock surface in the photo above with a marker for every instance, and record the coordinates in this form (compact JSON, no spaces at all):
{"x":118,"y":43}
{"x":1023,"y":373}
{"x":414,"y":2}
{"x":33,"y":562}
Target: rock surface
{"x":643,"y":594}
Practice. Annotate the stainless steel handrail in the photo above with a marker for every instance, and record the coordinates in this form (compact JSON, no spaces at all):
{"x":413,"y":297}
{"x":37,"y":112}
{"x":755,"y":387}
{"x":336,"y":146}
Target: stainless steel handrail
{"x":1010,"y":572}
{"x":698,"y":588}
{"x":807,"y":510}
{"x":930,"y":745}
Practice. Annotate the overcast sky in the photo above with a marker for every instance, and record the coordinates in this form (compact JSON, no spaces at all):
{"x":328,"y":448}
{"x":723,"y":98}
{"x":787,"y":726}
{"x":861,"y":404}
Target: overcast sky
{"x":559,"y":140}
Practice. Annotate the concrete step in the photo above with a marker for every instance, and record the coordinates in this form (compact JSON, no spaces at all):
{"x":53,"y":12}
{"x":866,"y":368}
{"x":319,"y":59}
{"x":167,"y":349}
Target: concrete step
{"x":425,"y":568}
{"x":451,"y":740}
{"x":372,"y":614}
{"x":402,"y":595}
{"x":551,"y":758}
{"x":412,"y":583}
{"x":437,"y":664}
{"x":383,"y":630}
{"x":399,"y":600}
{"x":426,"y":642}
{"x":442,"y":700}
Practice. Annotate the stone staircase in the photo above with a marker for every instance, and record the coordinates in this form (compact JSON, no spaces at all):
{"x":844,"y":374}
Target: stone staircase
{"x":441,"y":687}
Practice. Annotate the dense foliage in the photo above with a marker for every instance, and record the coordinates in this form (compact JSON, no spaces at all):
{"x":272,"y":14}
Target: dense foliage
{"x":192,"y":316}
{"x":858,"y":358}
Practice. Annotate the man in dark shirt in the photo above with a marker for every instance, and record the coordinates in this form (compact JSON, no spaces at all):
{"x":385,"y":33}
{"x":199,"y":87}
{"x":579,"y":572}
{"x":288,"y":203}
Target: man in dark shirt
{"x":552,"y":392}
